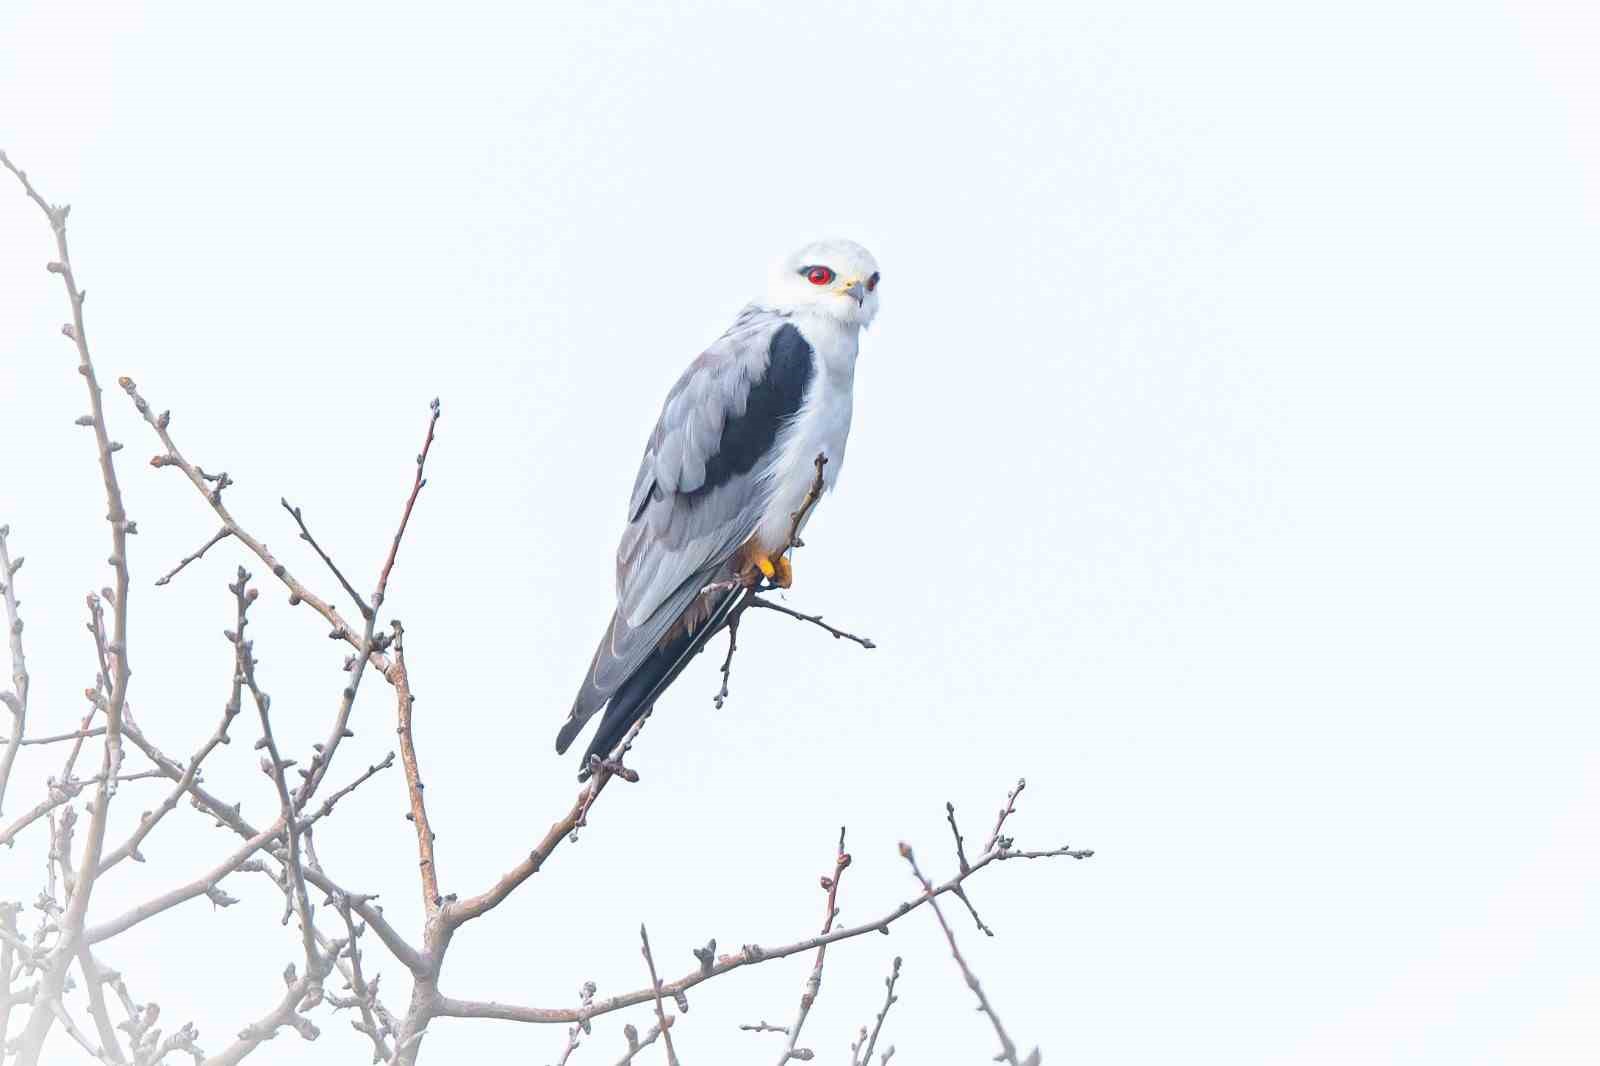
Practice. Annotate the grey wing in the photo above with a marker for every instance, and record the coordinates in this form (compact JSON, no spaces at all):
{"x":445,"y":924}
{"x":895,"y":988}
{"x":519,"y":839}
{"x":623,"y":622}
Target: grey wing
{"x":701,"y":489}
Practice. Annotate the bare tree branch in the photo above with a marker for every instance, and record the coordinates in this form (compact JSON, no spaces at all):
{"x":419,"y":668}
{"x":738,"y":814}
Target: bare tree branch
{"x":1008,"y":1050}
{"x":54,"y":978}
{"x":749,"y":955}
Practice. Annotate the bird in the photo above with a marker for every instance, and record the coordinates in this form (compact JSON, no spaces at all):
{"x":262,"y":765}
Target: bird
{"x":744,"y":436}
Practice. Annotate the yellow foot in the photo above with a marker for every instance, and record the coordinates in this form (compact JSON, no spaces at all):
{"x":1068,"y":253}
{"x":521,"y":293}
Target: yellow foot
{"x":776,"y":570}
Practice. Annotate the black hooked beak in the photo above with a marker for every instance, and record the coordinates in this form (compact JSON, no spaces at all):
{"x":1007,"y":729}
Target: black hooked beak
{"x":858,"y":292}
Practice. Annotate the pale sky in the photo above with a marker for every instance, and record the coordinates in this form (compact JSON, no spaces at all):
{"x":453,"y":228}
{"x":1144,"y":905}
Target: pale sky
{"x":1224,"y":463}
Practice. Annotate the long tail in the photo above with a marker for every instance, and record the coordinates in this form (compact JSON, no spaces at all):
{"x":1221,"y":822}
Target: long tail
{"x":637,"y":695}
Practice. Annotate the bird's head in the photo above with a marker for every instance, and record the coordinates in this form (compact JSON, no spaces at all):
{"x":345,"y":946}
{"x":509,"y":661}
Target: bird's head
{"x":835,"y":278}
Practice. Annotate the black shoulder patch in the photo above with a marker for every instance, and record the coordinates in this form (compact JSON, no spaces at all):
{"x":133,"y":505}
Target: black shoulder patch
{"x":773,"y":400}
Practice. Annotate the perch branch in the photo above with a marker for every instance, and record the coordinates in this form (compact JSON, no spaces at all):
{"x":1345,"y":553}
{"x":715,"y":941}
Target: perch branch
{"x":751,"y":585}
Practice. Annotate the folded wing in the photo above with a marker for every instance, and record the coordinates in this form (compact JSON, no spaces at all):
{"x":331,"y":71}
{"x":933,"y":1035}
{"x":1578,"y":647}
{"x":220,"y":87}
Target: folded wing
{"x":702,"y":486}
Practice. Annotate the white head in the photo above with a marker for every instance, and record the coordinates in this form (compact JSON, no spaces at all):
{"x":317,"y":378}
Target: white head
{"x":835,"y":278}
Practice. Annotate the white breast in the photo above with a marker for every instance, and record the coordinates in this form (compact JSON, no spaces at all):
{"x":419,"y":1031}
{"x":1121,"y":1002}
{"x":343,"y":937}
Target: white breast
{"x":822,"y":426}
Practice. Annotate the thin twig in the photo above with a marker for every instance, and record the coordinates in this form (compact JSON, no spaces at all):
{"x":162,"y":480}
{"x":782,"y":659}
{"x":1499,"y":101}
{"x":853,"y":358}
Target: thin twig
{"x":1008,"y":1050}
{"x":328,"y":804}
{"x":376,"y":1021}
{"x":813,"y":986}
{"x":305,"y":535}
{"x":220,"y":534}
{"x":1006,"y":812}
{"x":57,"y":738}
{"x":191,"y":774}
{"x":655,"y":987}
{"x":298,"y":592}
{"x":294,"y":867}
{"x":889,"y":1000}
{"x":228,"y":815}
{"x":961,"y":852}
{"x":797,"y":520}
{"x":733,"y":646}
{"x":60,"y":792}
{"x":635,"y":1045}
{"x":17,"y":698}
{"x":814,"y":619}
{"x":411,"y":501}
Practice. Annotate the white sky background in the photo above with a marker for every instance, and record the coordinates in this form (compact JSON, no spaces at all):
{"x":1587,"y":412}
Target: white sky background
{"x":1224,"y":463}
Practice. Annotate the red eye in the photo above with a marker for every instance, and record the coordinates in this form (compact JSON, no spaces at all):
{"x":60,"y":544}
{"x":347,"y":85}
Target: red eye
{"x":872,"y":282}
{"x":819,"y":275}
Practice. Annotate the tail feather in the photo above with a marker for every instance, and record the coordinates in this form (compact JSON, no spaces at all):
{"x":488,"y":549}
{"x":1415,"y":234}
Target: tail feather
{"x":637,"y":695}
{"x":569,"y":733}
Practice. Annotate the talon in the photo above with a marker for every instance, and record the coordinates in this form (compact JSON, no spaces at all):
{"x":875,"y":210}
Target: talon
{"x":784,"y":571}
{"x":766,"y":566}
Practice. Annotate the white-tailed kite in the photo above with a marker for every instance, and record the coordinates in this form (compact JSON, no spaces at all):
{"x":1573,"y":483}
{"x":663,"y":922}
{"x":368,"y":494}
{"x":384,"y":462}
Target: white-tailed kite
{"x":725,"y":472}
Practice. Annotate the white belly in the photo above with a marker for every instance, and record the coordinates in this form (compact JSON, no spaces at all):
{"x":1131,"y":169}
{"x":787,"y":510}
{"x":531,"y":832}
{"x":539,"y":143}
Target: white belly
{"x":821,"y":428}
